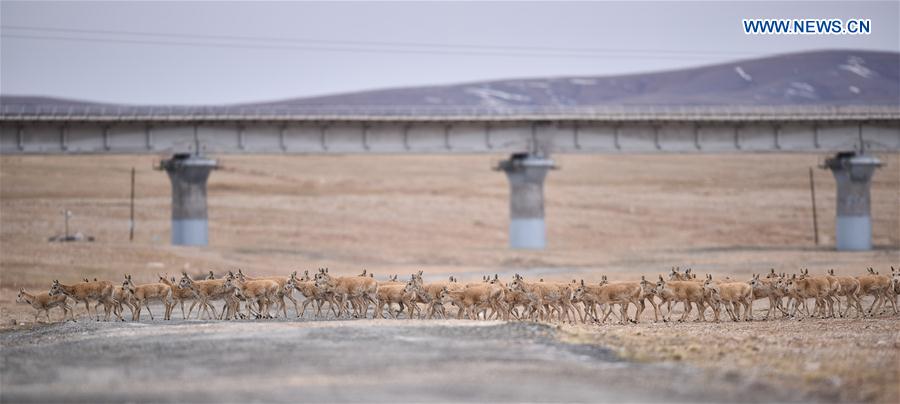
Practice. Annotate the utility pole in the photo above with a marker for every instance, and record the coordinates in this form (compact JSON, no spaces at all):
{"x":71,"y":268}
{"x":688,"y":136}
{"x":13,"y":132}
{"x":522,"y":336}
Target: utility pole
{"x":131,"y":219}
{"x":67,"y":214}
{"x":812,"y":194}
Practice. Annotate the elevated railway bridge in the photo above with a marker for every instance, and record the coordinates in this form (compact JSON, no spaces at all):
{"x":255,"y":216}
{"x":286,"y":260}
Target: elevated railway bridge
{"x":531,"y":136}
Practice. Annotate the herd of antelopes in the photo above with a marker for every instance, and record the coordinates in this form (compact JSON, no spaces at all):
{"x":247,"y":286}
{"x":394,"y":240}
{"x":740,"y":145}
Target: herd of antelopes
{"x":352,"y":296}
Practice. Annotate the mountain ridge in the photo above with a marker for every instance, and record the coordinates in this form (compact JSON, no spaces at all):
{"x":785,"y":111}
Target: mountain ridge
{"x":829,"y":78}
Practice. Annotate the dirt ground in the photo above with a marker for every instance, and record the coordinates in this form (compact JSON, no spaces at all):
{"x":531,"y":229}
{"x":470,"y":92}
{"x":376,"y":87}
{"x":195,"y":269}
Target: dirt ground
{"x":344,"y":361}
{"x":621,"y":216}
{"x":846,"y":360}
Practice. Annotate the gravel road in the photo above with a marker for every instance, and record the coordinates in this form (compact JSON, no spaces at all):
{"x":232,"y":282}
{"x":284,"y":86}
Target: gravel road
{"x":338,"y":361}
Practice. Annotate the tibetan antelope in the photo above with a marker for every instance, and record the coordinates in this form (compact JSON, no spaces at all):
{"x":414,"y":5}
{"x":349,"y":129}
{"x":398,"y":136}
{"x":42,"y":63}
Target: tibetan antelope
{"x":552,"y":296}
{"x":43,"y":302}
{"x":263,"y":292}
{"x":879,"y":287}
{"x":403,"y":294}
{"x":179,"y":295}
{"x":206,"y":291}
{"x":475,"y":297}
{"x":282,"y":291}
{"x":768,"y":288}
{"x":120,"y":299}
{"x":311,"y":294}
{"x":145,"y":293}
{"x":610,"y":294}
{"x":849,"y":289}
{"x":432,"y":294}
{"x":99,"y":291}
{"x":799,"y":289}
{"x":359,"y":291}
{"x":686,"y":292}
{"x":733,"y":295}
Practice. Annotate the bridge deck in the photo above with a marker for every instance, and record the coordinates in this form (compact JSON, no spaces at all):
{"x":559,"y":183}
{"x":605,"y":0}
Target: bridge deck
{"x":56,"y":129}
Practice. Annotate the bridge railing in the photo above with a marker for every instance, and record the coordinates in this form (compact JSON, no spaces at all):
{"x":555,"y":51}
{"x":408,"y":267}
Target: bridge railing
{"x":33,"y":112}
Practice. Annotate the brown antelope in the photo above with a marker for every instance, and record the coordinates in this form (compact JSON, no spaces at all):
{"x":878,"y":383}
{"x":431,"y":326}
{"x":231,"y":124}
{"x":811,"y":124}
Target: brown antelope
{"x":686,"y":292}
{"x":403,"y":294}
{"x":666,"y":297}
{"x":895,"y":282}
{"x":678,"y":275}
{"x":828,"y":287}
{"x":648,"y":293}
{"x":311,"y":294}
{"x":611,"y":294}
{"x":545,"y":294}
{"x":496,"y":292}
{"x":849,"y":289}
{"x":622,"y":294}
{"x":425,"y":297}
{"x":119,"y":299}
{"x":552,"y":296}
{"x":877,"y":286}
{"x":206,"y":291}
{"x":559,"y":299}
{"x":432,"y":294}
{"x":834,"y":291}
{"x":145,"y":293}
{"x":99,"y":291}
{"x":263,"y":292}
{"x":477,"y":297}
{"x":43,"y":302}
{"x":436,"y":297}
{"x":894,"y":294}
{"x":733,"y":295}
{"x":359,"y":291}
{"x":890,"y":291}
{"x":489,"y":294}
{"x":801,"y":288}
{"x":588,"y":295}
{"x":469,"y":299}
{"x":179,"y":295}
{"x":282,"y":291}
{"x":768,"y":288}
{"x":645,"y":293}
{"x":518,"y":298}
{"x":394,"y":280}
{"x":437,"y":303}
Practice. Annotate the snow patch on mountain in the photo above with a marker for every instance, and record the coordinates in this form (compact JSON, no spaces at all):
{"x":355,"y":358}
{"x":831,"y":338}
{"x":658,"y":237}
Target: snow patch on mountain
{"x":854,"y":89}
{"x":856,"y":65}
{"x":740,"y":71}
{"x":583,"y":81}
{"x":801,"y":89}
{"x":491,"y":97}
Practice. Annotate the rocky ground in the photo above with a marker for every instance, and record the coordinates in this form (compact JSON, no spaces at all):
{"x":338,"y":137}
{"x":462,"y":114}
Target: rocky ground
{"x":353,"y":361}
{"x":847,"y":360}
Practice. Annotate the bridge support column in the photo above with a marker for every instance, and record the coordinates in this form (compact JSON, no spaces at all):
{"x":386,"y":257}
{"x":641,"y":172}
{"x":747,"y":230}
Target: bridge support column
{"x":853,"y":173}
{"x":526,"y":173}
{"x":188,"y":174}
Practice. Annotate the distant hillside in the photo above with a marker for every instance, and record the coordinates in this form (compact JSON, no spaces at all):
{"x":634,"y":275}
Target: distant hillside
{"x":838,"y":77}
{"x":826,"y":77}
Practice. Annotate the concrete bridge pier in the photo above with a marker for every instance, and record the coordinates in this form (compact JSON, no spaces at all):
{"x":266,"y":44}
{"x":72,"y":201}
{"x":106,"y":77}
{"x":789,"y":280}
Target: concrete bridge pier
{"x":526,"y":173}
{"x":853,"y":172}
{"x":188,"y":174}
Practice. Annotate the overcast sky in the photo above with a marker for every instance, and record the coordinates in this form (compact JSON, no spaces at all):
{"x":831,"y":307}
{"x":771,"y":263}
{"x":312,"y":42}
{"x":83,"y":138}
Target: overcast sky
{"x":227,"y":52}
